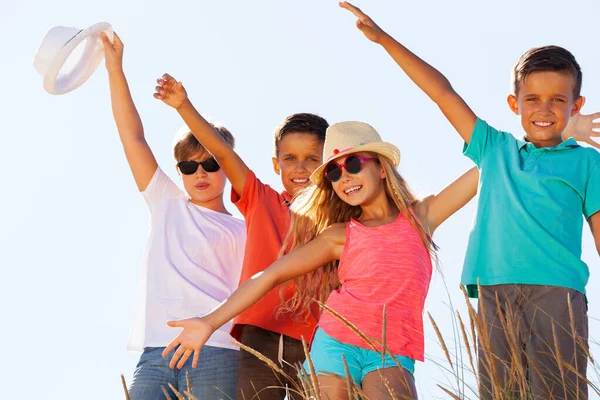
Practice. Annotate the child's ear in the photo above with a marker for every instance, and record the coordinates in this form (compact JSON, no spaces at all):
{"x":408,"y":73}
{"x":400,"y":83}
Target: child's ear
{"x":512,"y":103}
{"x":178,"y":171}
{"x":577,"y":105}
{"x":276,"y":165}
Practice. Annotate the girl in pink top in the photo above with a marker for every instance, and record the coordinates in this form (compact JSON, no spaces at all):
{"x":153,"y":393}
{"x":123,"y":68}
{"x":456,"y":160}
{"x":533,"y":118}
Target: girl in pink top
{"x":361,"y":244}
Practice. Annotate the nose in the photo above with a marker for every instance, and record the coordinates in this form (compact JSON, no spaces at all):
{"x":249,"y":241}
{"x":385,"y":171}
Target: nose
{"x":300,"y":165}
{"x":200,"y":171}
{"x":346,"y":177}
{"x":545,"y":106}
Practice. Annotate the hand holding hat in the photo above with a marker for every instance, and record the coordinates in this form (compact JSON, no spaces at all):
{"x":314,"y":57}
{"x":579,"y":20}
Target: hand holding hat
{"x":113,"y":52}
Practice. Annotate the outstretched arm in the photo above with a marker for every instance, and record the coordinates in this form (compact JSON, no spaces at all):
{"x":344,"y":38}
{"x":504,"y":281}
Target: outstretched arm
{"x":131,"y":132}
{"x":430,"y":80}
{"x":324,"y":248}
{"x":172,"y":92}
{"x":434,"y":210}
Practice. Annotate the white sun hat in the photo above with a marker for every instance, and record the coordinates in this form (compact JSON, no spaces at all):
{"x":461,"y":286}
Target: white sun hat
{"x":67,"y":57}
{"x":349,"y":137}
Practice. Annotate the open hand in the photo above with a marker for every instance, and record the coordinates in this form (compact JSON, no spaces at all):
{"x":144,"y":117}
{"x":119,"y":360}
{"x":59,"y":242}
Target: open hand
{"x":170,"y":91}
{"x":581,"y":128}
{"x":196,"y":332}
{"x":373,"y":32}
{"x":113,"y":52}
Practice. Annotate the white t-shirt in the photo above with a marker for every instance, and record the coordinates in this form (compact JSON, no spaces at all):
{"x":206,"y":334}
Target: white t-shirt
{"x":191,"y":264}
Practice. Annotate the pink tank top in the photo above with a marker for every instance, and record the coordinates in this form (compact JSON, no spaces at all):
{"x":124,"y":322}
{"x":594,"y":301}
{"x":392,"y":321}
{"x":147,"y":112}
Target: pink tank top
{"x":387,"y":265}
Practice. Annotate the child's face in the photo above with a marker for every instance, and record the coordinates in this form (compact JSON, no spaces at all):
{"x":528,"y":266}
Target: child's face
{"x":364,"y":187}
{"x":545,"y":103}
{"x":299,"y":155}
{"x":204,"y":188}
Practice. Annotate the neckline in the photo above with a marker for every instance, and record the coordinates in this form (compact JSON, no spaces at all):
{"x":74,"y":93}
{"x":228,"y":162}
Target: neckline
{"x":358,"y":223}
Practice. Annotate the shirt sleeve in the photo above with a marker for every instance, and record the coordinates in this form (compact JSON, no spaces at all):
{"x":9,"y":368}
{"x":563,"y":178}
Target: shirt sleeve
{"x":483,"y":138}
{"x":254,"y":193}
{"x":160,"y":187}
{"x":591,"y":203}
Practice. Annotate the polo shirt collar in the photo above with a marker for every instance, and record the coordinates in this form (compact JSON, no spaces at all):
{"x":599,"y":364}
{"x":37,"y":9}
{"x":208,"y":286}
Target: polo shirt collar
{"x":569,"y":143}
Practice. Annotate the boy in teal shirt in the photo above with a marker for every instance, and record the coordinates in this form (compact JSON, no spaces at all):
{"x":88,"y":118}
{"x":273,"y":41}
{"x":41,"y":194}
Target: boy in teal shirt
{"x":525,"y":247}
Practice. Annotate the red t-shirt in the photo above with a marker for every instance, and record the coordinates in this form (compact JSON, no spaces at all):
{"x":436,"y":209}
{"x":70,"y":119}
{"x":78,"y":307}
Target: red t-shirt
{"x":267,"y":218}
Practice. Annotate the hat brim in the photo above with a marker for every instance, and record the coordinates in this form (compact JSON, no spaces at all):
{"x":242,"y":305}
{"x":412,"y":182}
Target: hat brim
{"x":92,"y":55}
{"x":382,"y":148}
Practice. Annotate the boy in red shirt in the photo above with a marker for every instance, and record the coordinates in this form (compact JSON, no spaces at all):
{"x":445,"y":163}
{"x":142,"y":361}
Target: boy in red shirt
{"x":299,"y":143}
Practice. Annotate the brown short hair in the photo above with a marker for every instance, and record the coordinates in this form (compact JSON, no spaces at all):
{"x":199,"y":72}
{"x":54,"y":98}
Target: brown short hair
{"x":547,"y":59}
{"x":301,"y":123}
{"x":188,"y":146}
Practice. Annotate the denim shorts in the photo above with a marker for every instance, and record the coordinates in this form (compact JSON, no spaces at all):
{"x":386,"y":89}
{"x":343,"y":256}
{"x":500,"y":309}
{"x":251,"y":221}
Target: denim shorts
{"x":326,"y":355}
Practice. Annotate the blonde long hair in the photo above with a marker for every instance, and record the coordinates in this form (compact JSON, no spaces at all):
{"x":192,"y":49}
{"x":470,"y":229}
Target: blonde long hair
{"x":319,"y":207}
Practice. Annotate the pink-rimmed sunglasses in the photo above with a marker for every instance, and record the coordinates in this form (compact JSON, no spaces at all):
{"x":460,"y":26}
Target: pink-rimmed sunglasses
{"x":353,"y":164}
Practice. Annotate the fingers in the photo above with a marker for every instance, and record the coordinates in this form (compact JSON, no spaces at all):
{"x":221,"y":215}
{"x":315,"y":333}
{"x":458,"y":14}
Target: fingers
{"x":161,"y":92}
{"x":117,"y":40}
{"x":353,"y":9}
{"x":595,"y":125}
{"x":105,"y":41}
{"x":186,"y":355}
{"x":595,"y":115}
{"x":593,"y":143}
{"x":170,"y":347}
{"x":176,"y":356}
{"x":168,"y":78}
{"x":196,"y":358}
{"x":175,"y":324}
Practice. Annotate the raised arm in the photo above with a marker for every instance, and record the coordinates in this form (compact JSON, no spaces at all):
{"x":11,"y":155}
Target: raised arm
{"x":435,"y":209}
{"x":141,"y":161}
{"x":172,"y":93}
{"x":427,"y":78}
{"x":324,"y":248}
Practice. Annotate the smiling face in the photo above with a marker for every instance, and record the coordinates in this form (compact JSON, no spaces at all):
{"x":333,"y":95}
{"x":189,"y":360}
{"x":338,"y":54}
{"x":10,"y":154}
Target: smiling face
{"x":204,"y":188}
{"x":299,"y":155}
{"x":545,"y":101}
{"x":364,"y":187}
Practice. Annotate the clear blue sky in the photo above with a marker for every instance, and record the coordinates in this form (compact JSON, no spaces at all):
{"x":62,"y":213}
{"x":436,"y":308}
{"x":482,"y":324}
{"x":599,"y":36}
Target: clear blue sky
{"x":72,"y":225}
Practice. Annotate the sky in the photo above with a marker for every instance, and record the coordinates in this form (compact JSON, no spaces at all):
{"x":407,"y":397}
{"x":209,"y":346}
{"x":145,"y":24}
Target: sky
{"x":73,"y":226}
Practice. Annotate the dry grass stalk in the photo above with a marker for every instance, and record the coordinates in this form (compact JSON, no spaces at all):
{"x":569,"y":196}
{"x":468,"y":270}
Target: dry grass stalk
{"x":349,"y":325}
{"x":187,"y":382}
{"x":166,"y":393}
{"x":466,"y":341}
{"x":442,"y":342}
{"x":177,"y":394}
{"x":313,"y":374}
{"x":270,"y":363}
{"x":349,"y":381}
{"x":125,"y":387}
{"x":449,"y":393}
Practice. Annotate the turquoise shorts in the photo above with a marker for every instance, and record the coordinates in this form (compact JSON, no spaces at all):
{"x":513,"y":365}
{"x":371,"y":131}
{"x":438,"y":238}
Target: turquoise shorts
{"x":326,"y":355}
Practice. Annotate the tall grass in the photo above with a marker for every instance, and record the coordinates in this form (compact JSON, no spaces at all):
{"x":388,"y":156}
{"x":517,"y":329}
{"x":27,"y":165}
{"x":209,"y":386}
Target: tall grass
{"x":459,"y":365}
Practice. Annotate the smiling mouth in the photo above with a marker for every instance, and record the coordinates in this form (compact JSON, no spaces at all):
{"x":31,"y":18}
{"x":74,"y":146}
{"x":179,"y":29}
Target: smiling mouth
{"x":352,"y":190}
{"x":543,"y":124}
{"x":301,"y":182}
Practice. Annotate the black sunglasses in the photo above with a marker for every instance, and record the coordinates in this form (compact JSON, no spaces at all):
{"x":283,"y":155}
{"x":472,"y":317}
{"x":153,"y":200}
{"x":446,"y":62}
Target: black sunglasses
{"x":353,"y":164}
{"x":189,"y":167}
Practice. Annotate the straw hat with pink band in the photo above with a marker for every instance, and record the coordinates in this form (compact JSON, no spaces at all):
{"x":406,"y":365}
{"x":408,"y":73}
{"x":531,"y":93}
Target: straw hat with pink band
{"x":350,"y":137}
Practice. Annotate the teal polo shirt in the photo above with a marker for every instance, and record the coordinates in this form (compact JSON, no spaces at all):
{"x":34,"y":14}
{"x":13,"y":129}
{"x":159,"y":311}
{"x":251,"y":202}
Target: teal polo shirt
{"x":529,"y":219}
